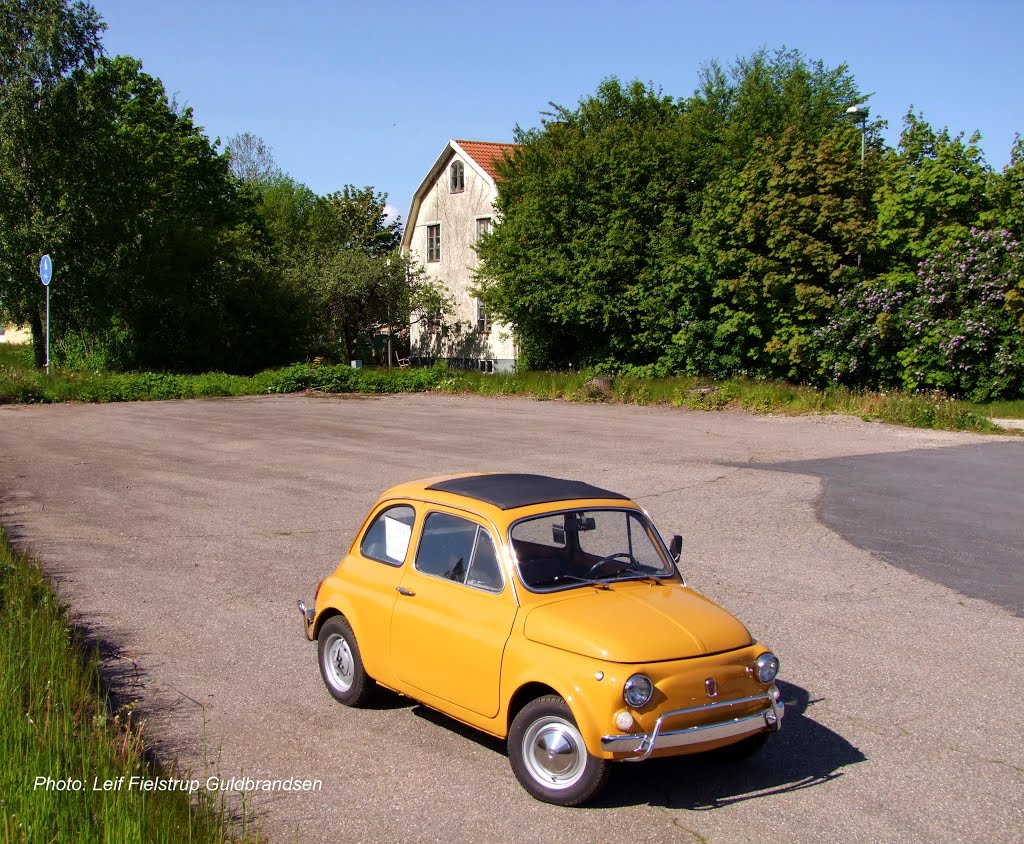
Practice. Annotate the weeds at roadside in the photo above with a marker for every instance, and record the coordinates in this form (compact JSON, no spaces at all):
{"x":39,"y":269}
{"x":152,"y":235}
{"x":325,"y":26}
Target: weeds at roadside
{"x":56,"y":722}
{"x":20,"y":383}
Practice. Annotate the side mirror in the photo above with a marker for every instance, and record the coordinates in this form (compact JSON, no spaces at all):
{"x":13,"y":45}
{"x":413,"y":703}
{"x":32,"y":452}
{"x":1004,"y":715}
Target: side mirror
{"x":675,"y":547}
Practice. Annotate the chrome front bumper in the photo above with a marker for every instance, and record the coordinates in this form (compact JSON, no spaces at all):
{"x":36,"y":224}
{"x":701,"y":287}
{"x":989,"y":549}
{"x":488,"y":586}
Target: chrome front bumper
{"x":644,"y":744}
{"x":308,"y":614}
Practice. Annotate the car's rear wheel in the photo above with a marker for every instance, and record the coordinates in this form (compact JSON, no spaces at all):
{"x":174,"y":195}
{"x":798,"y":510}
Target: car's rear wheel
{"x":341,"y":664}
{"x":550,"y":758}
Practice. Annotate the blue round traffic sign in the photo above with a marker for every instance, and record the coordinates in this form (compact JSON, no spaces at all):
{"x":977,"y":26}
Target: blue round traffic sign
{"x":45,"y":269}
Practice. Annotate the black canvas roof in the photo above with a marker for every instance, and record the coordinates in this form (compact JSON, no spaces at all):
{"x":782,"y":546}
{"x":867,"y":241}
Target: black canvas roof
{"x":508,"y":491}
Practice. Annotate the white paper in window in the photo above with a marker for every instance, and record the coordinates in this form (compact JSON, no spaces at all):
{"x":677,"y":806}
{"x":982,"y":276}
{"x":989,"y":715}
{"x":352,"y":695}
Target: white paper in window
{"x":396,"y":538}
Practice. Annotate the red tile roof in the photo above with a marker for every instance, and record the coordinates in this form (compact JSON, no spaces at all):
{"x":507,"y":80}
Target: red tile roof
{"x":487,"y":154}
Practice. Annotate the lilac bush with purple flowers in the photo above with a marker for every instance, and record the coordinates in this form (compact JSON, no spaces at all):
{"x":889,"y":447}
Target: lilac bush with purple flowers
{"x":955,"y":326}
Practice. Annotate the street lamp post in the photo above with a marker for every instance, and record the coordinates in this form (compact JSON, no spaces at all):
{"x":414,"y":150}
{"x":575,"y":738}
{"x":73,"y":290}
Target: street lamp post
{"x":860,"y":113}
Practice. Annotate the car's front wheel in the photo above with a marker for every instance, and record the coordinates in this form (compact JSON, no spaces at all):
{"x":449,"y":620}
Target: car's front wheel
{"x":549,"y":756}
{"x":341,"y":664}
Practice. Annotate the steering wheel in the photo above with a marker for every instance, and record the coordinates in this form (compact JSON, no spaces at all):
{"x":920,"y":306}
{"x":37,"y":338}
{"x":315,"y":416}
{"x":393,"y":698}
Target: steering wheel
{"x":624,"y":560}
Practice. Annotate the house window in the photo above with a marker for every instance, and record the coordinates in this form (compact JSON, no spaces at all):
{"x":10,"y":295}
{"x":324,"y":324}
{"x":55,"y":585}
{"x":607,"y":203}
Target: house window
{"x":483,"y":322}
{"x":434,"y":242}
{"x":457,"y":174}
{"x":483,"y":226}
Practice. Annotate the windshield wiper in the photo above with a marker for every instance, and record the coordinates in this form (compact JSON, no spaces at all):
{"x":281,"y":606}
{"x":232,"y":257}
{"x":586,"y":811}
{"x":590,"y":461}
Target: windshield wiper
{"x":560,"y":578}
{"x":637,"y":575}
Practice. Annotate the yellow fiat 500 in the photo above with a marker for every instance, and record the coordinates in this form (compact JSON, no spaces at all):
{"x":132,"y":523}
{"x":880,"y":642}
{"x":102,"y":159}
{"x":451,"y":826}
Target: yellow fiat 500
{"x":546,"y":612}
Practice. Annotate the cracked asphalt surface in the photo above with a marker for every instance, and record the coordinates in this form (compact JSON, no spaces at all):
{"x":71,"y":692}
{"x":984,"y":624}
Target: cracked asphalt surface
{"x":182,"y":533}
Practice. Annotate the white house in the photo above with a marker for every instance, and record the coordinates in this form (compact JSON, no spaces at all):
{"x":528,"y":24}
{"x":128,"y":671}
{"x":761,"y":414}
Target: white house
{"x":450,"y":210}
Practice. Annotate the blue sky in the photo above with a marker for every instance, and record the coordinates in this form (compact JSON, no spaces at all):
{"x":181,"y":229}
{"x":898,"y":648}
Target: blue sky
{"x":368,"y":94}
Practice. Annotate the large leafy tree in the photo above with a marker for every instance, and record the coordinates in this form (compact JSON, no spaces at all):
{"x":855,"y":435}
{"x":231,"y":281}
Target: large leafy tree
{"x":759,"y":97}
{"x":1007,"y":192}
{"x":934,"y":189}
{"x":590,"y":210}
{"x":150,"y":259}
{"x":46,"y":47}
{"x":597,"y":259}
{"x":777,"y":242}
{"x":348,"y":258}
{"x":352,"y":219}
{"x":158,"y":262}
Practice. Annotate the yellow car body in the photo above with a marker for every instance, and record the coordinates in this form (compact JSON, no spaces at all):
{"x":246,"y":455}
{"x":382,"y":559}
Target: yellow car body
{"x":487,"y":644}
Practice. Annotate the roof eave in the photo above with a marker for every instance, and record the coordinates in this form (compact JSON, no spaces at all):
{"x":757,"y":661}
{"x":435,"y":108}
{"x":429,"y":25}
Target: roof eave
{"x":450,"y":149}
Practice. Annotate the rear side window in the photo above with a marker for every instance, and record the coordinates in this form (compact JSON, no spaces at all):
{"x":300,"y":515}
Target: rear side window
{"x":459,"y":550}
{"x":387,"y":539}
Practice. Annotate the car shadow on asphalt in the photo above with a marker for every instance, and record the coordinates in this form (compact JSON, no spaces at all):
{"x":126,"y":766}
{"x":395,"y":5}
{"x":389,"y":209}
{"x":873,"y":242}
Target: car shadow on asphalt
{"x":804,"y":754}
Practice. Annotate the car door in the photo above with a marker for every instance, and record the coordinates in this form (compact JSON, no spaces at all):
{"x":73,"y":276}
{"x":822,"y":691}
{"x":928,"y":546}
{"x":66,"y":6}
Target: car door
{"x":453,"y":615}
{"x":372,"y":572}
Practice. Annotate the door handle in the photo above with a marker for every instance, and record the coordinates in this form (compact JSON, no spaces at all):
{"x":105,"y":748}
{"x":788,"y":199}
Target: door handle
{"x":403,"y":591}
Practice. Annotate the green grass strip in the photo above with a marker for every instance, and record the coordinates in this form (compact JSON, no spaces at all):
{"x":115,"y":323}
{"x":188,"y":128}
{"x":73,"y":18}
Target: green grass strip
{"x":56,"y":723}
{"x":21,"y":383}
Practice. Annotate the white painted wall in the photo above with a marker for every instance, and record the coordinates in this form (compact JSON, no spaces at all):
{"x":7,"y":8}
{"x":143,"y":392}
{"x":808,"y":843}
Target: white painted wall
{"x":457,"y":214}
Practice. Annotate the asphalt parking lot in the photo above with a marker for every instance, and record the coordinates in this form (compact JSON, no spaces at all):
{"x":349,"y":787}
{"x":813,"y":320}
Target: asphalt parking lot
{"x":183,"y":532}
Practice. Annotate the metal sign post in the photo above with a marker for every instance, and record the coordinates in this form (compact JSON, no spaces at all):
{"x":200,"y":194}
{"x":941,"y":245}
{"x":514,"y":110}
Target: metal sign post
{"x":45,"y":274}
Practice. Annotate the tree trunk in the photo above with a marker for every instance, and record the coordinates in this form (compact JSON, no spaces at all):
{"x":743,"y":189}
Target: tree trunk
{"x":38,"y":339}
{"x":350,"y":344}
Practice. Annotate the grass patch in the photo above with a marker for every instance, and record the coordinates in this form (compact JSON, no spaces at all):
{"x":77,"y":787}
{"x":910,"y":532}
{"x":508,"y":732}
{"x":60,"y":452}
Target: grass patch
{"x":17,"y":356}
{"x":1001,"y":409}
{"x":55,"y":721}
{"x":19,"y":382}
{"x":909,"y":409}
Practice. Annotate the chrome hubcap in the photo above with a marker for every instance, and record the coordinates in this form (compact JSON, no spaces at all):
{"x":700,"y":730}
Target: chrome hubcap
{"x":554,"y":752}
{"x":340,"y":666}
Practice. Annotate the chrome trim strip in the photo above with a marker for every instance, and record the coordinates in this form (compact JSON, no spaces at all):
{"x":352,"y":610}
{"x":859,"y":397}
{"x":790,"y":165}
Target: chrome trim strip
{"x":769,"y":718}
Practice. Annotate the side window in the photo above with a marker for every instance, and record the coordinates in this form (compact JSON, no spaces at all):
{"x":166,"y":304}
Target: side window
{"x":456,"y":549}
{"x":387,"y":539}
{"x":485,"y":572}
{"x":434,"y":242}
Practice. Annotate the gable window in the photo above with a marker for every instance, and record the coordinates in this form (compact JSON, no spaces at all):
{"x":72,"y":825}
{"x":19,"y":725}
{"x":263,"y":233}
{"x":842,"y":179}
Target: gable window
{"x":434,"y":242}
{"x":457,"y":177}
{"x":483,"y":322}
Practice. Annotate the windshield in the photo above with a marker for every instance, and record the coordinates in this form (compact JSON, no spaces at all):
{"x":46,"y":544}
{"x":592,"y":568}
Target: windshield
{"x":566,"y":549}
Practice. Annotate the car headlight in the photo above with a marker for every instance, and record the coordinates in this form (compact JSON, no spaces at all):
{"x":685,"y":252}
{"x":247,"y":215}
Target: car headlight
{"x":638,"y":690}
{"x":767,"y":667}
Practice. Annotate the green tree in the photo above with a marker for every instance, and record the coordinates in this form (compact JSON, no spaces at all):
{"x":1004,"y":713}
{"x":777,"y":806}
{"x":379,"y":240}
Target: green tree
{"x":597,"y":259}
{"x":934,"y":189}
{"x":954,"y":325}
{"x":286,"y":207}
{"x":776,"y":244}
{"x":759,"y":97}
{"x":153,"y":203}
{"x":360,"y":295}
{"x":1007,"y":191}
{"x":590,"y":208}
{"x":352,"y":219}
{"x":46,"y":46}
